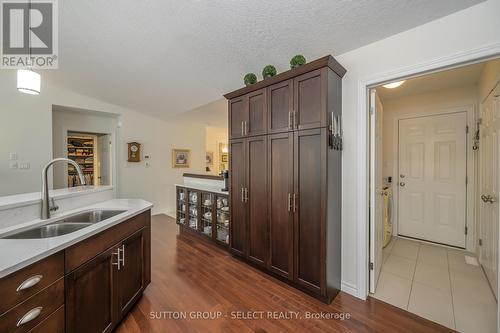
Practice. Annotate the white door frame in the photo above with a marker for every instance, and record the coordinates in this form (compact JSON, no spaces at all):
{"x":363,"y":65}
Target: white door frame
{"x":471,"y":163}
{"x":362,"y":221}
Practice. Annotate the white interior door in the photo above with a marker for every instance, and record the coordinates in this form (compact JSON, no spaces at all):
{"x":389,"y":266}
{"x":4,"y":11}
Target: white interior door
{"x":376,"y":199}
{"x":488,"y":206}
{"x":432,"y":178}
{"x":104,"y":144}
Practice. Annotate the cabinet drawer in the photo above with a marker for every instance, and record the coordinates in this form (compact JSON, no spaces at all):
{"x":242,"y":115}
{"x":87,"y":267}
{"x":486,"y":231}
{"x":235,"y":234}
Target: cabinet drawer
{"x":40,"y":306}
{"x":52,"y":324}
{"x":26,"y":282}
{"x":82,"y":252}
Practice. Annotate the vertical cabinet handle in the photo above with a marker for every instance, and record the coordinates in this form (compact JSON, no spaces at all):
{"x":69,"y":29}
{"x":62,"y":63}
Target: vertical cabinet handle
{"x":246,"y":194}
{"x":295,"y":119}
{"x":29,"y":282}
{"x":29,"y":316}
{"x":242,"y":128}
{"x":118,"y":261}
{"x":242,"y":194}
{"x":289,"y":202}
{"x":290,"y":119}
{"x":122,"y":256}
{"x":294,"y":202}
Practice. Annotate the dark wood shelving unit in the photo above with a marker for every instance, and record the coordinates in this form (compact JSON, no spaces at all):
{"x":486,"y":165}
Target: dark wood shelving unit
{"x":80,"y":148}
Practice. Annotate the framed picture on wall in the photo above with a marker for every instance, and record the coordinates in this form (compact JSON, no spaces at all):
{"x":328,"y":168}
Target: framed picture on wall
{"x":181,"y":158}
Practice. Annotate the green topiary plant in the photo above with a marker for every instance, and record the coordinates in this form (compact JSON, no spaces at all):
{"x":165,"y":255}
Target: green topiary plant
{"x":249,"y":79}
{"x":268,"y":71}
{"x":297,"y":61}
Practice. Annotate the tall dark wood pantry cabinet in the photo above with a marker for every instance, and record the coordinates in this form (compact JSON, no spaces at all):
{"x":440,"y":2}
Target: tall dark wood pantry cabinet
{"x":285,"y":176}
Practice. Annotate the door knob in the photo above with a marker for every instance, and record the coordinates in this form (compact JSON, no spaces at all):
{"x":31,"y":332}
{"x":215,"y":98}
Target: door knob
{"x":402,"y":176}
{"x":402,"y":184}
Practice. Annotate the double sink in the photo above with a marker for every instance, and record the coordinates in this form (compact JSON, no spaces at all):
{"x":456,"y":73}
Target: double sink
{"x":65,"y":225}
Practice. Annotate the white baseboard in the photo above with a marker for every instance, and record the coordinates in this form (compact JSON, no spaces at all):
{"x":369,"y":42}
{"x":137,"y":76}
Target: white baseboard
{"x":166,"y":212}
{"x":349,"y":288}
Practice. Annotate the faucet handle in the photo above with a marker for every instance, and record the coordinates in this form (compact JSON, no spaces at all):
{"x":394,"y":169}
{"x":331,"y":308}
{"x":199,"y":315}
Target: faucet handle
{"x":53,"y":207}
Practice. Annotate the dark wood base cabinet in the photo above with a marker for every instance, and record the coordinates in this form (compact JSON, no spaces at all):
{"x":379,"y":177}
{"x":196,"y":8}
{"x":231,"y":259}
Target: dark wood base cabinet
{"x":88,"y":287}
{"x":285,"y":182}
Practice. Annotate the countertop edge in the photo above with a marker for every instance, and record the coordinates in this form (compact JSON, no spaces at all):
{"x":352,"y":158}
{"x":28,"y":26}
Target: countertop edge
{"x":203,"y":188}
{"x":26,"y":262}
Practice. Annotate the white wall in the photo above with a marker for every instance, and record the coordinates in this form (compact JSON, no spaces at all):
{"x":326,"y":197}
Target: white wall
{"x":466,"y":30}
{"x":26,"y":128}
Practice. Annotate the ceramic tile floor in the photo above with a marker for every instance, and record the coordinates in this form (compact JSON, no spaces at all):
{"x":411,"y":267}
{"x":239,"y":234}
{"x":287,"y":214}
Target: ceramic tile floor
{"x":436,"y":283}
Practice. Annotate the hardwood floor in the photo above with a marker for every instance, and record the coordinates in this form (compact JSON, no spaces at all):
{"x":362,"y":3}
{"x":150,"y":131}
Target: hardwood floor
{"x":190,"y":276}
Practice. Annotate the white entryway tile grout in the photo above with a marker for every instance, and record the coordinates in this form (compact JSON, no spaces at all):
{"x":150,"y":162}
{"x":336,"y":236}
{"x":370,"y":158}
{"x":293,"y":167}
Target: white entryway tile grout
{"x":399,"y":286}
{"x":413,"y":278}
{"x":451,"y":289}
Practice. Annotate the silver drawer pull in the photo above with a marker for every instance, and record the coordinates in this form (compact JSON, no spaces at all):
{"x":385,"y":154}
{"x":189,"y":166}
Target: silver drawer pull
{"x":30,"y":315}
{"x":30,"y":282}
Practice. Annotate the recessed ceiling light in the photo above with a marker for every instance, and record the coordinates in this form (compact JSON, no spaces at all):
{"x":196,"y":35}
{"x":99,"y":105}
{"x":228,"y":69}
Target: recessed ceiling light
{"x":393,"y":85}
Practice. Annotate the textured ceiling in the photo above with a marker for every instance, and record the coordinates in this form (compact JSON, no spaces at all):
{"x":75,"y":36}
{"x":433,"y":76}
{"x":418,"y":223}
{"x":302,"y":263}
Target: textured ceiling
{"x":165,"y":56}
{"x":453,"y":78}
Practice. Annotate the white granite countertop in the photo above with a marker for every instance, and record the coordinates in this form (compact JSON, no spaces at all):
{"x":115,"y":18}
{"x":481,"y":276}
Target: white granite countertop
{"x":207,"y":188}
{"x":19,"y":253}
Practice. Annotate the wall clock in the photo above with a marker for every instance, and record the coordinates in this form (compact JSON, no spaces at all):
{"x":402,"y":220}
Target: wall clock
{"x":134,"y":152}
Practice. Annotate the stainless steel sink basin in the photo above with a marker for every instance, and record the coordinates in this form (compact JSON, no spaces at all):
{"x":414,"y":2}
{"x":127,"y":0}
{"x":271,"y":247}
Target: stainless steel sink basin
{"x":65,"y":225}
{"x":94,"y":216}
{"x":49,"y":230}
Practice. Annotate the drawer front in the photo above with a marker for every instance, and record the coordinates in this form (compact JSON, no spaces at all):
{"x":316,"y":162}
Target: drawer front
{"x":52,"y":324}
{"x":34,"y":310}
{"x":18,"y":286}
{"x":82,"y":252}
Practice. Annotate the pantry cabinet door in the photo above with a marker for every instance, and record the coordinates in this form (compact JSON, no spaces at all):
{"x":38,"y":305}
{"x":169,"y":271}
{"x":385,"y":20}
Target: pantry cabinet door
{"x":280,"y":106}
{"x":280,"y":192}
{"x":309,"y":208}
{"x":310,"y":100}
{"x":238,"y":115}
{"x":257,"y":113}
{"x":256,"y":200}
{"x":237,"y":174}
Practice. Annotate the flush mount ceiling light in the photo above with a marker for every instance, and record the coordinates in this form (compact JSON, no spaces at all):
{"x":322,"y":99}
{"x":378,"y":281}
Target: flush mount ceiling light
{"x":393,"y":85}
{"x":28,"y":81}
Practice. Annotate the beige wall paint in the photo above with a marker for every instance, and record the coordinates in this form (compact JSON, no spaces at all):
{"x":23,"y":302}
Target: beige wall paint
{"x":489,"y":78}
{"x":214,"y":136}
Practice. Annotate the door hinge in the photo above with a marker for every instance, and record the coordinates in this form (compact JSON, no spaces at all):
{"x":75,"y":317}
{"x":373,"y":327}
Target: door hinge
{"x":466,"y":230}
{"x":371,"y":266}
{"x":467,"y":129}
{"x":480,"y":242}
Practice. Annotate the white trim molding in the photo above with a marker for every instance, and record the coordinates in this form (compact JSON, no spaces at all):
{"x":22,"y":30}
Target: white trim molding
{"x":362,"y":222}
